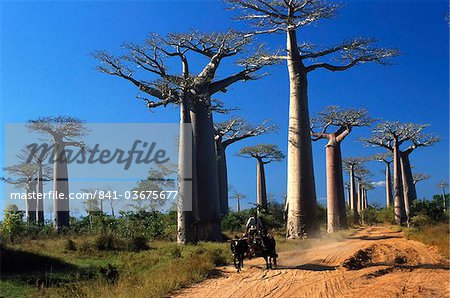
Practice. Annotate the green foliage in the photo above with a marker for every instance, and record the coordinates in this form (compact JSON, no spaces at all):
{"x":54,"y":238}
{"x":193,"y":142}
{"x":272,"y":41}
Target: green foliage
{"x":235,"y":221}
{"x":12,"y":224}
{"x":386,"y":215}
{"x":427,"y":212}
{"x":370,"y":215}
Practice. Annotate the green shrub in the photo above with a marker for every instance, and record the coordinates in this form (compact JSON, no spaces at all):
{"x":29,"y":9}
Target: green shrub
{"x":420,"y":220}
{"x":370,"y":216}
{"x":386,"y":215}
{"x":107,"y":242}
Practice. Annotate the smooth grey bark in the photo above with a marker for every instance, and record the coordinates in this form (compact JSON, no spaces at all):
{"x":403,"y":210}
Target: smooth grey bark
{"x":60,"y":186}
{"x":261,"y":192}
{"x":207,"y":212}
{"x":40,"y":201}
{"x":409,"y":188}
{"x":31,"y":203}
{"x":301,"y":192}
{"x":336,"y":213}
{"x":353,"y":195}
{"x":389,"y":200}
{"x":186,"y":179}
{"x":222,"y":176}
{"x":186,"y":164}
{"x":399,"y":207}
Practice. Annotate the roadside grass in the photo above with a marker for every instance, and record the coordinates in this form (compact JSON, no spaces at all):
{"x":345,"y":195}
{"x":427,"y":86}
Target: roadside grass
{"x":437,"y":235}
{"x":45,"y":268}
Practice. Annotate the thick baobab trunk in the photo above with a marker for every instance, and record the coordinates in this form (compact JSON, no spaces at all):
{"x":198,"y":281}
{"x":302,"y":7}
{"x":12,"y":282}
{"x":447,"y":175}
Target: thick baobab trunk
{"x":353,"y":196}
{"x":61,"y":187}
{"x":40,"y":199}
{"x":261,"y":193}
{"x":364,"y":199}
{"x":336,"y":217}
{"x":301,"y":193}
{"x":207,"y":213}
{"x":388,"y":185}
{"x":31,"y":201}
{"x":409,"y":189}
{"x":349,"y":201}
{"x":341,"y":203}
{"x":223,"y":177}
{"x":399,"y":207}
{"x":186,"y":184}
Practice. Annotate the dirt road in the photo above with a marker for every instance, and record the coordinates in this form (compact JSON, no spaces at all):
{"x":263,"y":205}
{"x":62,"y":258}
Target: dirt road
{"x":374,"y":262}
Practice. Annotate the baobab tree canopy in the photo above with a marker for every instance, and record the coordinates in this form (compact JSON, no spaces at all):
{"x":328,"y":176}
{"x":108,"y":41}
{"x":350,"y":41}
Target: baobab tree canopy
{"x":63,"y":127}
{"x":166,"y":87}
{"x":265,"y":153}
{"x":343,"y":119}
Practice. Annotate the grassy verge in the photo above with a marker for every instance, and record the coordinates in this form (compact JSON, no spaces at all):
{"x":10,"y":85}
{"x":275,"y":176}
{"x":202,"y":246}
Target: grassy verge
{"x":48,"y":269}
{"x":438,"y":236}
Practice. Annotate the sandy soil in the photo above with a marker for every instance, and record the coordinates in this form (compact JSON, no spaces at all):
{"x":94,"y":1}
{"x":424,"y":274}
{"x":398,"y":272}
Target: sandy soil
{"x":374,"y":262}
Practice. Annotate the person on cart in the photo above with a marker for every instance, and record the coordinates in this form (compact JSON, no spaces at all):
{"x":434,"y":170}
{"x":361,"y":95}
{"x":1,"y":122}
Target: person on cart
{"x":254,"y":225}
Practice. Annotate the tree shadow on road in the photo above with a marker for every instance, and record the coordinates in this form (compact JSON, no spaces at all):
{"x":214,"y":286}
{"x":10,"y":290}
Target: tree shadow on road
{"x":374,"y":237}
{"x":309,"y":267}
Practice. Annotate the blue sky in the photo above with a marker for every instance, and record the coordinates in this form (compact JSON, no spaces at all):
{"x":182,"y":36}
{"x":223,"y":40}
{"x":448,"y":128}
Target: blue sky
{"x":45,"y":62}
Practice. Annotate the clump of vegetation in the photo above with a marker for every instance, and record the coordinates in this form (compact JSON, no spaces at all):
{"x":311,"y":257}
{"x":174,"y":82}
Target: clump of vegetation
{"x":107,"y":242}
{"x":70,"y":245}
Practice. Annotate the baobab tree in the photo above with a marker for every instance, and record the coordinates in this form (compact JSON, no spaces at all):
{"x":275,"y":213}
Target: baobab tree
{"x":64,"y":130}
{"x":24,"y":174}
{"x":42,"y":175}
{"x":365,"y":186}
{"x":351,"y":165}
{"x":347,"y":188}
{"x":288,"y":17}
{"x":386,"y":158}
{"x":238,"y":197}
{"x":417,"y":177}
{"x":344,"y":120}
{"x":227,"y":133}
{"x":263,"y":154}
{"x":361,"y":174}
{"x":443,"y":185}
{"x":145,"y":66}
{"x":391,"y":136}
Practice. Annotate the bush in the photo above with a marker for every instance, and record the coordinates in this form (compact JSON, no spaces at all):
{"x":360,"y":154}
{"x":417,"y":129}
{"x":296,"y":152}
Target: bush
{"x":370,"y":216}
{"x":386,"y":215}
{"x":137,"y":244}
{"x":420,"y":220}
{"x":235,"y":221}
{"x":107,"y":242}
{"x":69,"y":244}
{"x":12,"y":224}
